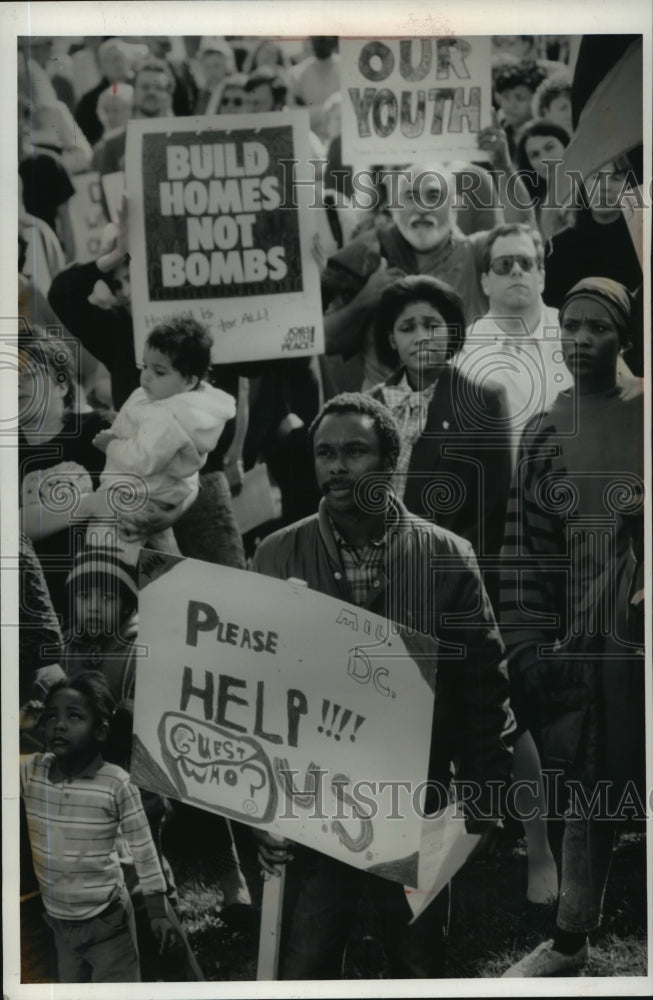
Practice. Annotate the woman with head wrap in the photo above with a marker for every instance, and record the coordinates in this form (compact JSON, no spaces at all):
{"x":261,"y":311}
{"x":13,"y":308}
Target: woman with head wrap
{"x":571,"y":595}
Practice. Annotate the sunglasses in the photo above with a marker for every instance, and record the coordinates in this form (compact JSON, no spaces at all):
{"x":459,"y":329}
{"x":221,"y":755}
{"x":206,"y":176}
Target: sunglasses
{"x":503,"y":265}
{"x":235,"y":102}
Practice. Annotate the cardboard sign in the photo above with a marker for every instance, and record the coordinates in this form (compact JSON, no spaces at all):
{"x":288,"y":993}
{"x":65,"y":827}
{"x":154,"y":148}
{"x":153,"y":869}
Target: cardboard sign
{"x":87,"y":216}
{"x":414,"y":99}
{"x":271,"y":704}
{"x":220,"y":228}
{"x":255,"y":504}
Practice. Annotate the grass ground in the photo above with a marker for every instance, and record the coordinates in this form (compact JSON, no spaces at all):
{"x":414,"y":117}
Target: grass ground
{"x":490,"y":925}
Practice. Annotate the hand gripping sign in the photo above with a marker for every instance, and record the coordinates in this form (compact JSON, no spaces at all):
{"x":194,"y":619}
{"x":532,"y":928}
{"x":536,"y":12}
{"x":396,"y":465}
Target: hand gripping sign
{"x":269,"y":703}
{"x":221,"y":226}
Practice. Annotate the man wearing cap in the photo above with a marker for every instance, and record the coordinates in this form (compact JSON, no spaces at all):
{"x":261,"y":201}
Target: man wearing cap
{"x":571,"y":602}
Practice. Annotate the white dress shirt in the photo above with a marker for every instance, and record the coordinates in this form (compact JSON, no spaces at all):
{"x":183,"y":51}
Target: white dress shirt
{"x":530,"y":367}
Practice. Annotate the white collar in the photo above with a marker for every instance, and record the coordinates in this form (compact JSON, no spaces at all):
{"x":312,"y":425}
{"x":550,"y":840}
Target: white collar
{"x":486,"y":328}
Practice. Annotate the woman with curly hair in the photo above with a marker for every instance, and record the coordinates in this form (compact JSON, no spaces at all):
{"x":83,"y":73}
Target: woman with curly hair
{"x":454,"y":464}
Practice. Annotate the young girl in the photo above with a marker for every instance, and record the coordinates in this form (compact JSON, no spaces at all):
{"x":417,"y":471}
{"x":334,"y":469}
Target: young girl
{"x":164,"y":432}
{"x":75,"y":803}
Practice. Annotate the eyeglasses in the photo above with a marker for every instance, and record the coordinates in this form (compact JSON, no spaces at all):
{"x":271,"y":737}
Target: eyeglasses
{"x":503,"y":265}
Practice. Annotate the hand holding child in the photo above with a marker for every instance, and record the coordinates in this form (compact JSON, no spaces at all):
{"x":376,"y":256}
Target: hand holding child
{"x":494,"y":141}
{"x":102,"y":440}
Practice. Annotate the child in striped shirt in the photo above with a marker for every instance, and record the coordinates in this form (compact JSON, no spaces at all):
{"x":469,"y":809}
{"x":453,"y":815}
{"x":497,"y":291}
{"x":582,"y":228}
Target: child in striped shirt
{"x":77,"y":808}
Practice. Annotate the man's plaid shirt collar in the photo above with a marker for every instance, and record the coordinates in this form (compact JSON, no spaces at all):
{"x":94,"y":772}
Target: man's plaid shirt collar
{"x":364,"y":568}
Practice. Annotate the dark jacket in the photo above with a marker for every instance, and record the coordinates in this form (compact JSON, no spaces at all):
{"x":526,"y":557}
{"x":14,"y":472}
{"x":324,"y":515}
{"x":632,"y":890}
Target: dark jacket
{"x":86,"y":114}
{"x":437,"y":592}
{"x":570,"y":563}
{"x":115,"y":656}
{"x":459,"y":471}
{"x":107,"y":333}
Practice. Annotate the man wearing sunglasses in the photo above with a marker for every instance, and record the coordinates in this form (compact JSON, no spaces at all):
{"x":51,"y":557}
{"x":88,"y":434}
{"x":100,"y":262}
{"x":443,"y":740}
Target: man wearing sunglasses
{"x":516,"y":344}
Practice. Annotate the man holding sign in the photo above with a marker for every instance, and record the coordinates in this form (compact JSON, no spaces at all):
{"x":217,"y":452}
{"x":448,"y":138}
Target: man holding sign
{"x":364,"y":547}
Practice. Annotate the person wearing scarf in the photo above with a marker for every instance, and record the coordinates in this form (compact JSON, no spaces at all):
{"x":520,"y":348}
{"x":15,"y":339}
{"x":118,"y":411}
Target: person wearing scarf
{"x":571,"y":595}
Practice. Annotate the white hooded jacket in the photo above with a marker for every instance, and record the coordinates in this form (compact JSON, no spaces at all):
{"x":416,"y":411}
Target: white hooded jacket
{"x":163,"y":443}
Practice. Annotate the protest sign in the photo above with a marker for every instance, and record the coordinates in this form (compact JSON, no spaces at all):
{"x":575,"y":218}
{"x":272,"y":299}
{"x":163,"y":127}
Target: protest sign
{"x":220,"y":227}
{"x":445,"y":848}
{"x":285,"y":709}
{"x":414,"y":99}
{"x":255,"y":503}
{"x":87,"y":216}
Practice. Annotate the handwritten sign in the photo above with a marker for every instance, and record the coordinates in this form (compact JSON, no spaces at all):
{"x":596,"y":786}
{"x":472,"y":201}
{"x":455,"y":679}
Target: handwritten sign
{"x":87,"y":216}
{"x":271,"y":704}
{"x":414,"y":98}
{"x":221,"y":229}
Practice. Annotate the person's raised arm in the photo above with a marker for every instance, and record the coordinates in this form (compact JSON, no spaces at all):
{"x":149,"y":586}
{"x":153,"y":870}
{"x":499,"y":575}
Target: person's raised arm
{"x":512,"y":195}
{"x":71,"y":288}
{"x":344,"y":325}
{"x":233,"y":457}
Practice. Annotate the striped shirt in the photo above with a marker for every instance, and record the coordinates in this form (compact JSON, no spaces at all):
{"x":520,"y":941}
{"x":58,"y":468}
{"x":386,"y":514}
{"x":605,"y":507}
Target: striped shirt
{"x":74,"y":828}
{"x":578,"y":486}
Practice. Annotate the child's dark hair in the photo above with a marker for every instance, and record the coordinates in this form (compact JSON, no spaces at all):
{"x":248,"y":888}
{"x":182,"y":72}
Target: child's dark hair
{"x":186,"y":342}
{"x":523,"y":74}
{"x":532,"y":129}
{"x":94,"y":688}
{"x":273,"y":78}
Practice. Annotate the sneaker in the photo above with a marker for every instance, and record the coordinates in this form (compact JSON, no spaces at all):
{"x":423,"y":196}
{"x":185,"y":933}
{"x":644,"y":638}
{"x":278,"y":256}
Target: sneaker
{"x":546,"y":961}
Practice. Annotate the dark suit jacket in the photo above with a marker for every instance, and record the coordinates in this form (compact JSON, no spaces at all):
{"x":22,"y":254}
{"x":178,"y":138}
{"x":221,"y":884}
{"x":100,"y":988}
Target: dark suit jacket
{"x":460,"y":471}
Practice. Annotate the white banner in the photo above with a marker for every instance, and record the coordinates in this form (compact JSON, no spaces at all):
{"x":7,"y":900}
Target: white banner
{"x":414,"y":99}
{"x":274,"y":705}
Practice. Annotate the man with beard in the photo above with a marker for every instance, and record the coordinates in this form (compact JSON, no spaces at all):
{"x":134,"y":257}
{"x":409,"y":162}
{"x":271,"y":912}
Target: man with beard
{"x":420,"y":239}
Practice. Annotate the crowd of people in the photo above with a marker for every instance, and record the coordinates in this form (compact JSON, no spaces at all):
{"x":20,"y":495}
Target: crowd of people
{"x":485,"y":375}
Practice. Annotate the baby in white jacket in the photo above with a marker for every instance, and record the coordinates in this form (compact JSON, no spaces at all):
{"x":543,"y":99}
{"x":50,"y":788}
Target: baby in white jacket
{"x":163,"y":433}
